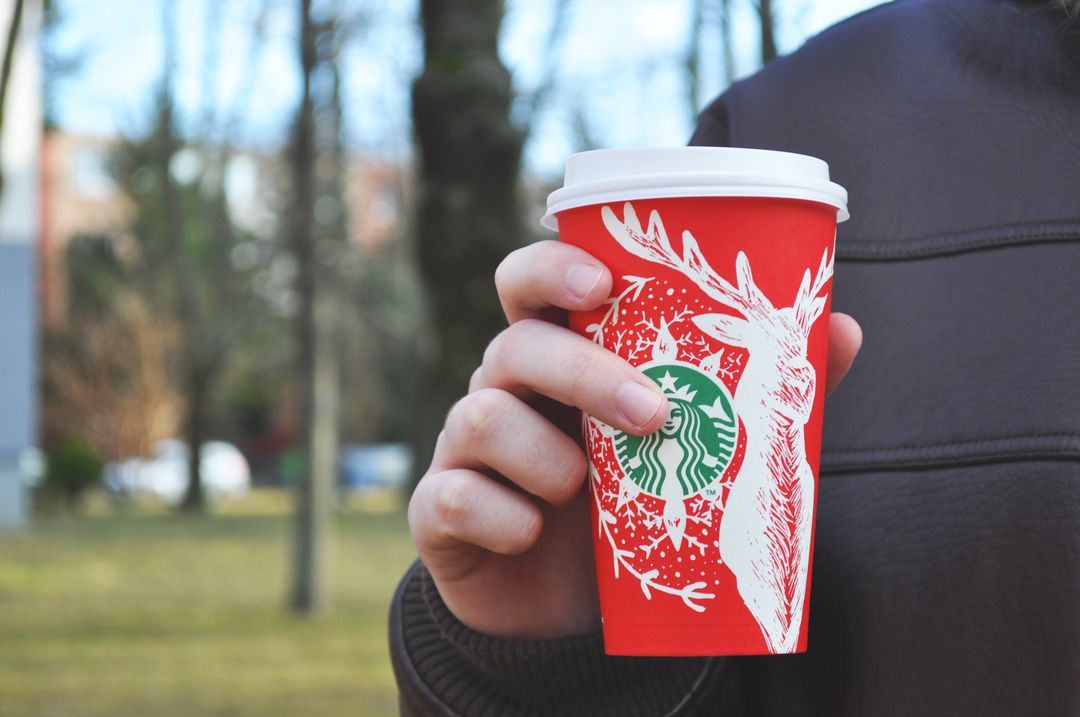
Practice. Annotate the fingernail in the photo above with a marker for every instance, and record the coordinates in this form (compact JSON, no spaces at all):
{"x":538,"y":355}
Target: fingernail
{"x":581,"y":279}
{"x":638,"y":403}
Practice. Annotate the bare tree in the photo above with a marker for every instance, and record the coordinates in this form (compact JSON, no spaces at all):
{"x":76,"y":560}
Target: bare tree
{"x":185,"y":239}
{"x":317,"y":162}
{"x":693,"y":56}
{"x":311,"y":502}
{"x":704,"y":14}
{"x":549,"y":71}
{"x":767,"y":24}
{"x":120,"y":401}
{"x":195,"y":380}
{"x":11,"y":40}
{"x":208,"y":338}
{"x":469,"y":218}
{"x":727,"y":46}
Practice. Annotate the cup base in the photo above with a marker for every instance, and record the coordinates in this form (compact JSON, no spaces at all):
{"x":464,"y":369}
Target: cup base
{"x":686,"y":641}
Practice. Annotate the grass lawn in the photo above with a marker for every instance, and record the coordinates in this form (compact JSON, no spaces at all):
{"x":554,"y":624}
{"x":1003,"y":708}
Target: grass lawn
{"x":149,"y":614}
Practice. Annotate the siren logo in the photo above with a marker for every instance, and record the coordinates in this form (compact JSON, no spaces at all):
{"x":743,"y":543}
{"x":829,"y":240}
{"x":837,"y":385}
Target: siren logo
{"x":693,"y":448}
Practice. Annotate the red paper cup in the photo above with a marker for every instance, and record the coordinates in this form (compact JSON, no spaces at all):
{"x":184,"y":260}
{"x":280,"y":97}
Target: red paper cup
{"x":722,"y":262}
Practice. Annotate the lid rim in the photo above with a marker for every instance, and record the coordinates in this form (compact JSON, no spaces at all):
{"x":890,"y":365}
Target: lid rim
{"x":605,"y":175}
{"x":718,"y":179}
{"x":774,"y":191}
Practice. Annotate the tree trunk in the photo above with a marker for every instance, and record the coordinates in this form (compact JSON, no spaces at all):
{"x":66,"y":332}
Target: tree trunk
{"x":317,"y":358}
{"x":6,"y":65}
{"x":727,"y":42}
{"x":166,"y":148}
{"x":768,"y":35}
{"x":315,"y":499}
{"x":470,"y":153}
{"x":693,"y":58}
{"x":197,"y":391}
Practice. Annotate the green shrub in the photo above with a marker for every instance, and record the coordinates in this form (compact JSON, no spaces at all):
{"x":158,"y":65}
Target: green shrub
{"x":72,"y":467}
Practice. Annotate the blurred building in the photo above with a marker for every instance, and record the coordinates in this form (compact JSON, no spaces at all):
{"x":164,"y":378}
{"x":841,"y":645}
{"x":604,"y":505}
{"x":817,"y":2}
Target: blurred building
{"x":78,"y":198}
{"x":81,"y":198}
{"x":377,"y":191}
{"x":20,"y":139}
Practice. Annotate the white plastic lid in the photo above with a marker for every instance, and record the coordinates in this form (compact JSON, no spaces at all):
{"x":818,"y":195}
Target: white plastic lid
{"x":616,"y":175}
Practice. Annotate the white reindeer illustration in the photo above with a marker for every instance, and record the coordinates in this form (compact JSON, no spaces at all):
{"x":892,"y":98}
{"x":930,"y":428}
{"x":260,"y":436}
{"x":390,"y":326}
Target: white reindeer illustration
{"x":765,"y":532}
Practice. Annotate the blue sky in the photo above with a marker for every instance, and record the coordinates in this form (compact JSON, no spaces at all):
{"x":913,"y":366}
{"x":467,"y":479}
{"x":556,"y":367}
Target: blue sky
{"x":620,"y":62}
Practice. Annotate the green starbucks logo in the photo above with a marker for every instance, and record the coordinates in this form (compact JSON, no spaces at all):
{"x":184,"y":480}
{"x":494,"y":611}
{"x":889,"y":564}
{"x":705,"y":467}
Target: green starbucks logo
{"x":694,"y":447}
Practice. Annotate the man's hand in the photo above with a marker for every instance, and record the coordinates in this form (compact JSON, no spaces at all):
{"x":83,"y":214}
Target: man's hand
{"x":501,"y":517}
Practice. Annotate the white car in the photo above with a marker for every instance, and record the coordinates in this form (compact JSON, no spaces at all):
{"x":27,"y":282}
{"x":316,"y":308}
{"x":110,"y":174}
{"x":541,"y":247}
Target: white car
{"x":225,"y":472}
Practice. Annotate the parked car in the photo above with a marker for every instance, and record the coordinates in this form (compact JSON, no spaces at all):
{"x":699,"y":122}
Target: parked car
{"x":225,"y":472}
{"x":378,"y":465}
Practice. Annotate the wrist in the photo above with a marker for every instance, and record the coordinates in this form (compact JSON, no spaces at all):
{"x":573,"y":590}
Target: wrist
{"x":535,"y":668}
{"x":476,"y":673}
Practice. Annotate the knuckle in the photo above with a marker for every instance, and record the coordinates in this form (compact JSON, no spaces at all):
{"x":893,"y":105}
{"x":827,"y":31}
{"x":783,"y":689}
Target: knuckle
{"x":560,"y":466}
{"x":413,"y":511}
{"x":495,"y":355}
{"x":418,"y":505}
{"x":505,"y":349}
{"x":546,"y":255}
{"x":569,"y":479}
{"x":451,"y":503}
{"x":524,"y":532}
{"x":505,"y":271}
{"x":475,"y":380}
{"x":581,"y":370}
{"x":476,"y":417}
{"x":578,"y":466}
{"x":529,"y":326}
{"x":525,"y":333}
{"x":441,"y":441}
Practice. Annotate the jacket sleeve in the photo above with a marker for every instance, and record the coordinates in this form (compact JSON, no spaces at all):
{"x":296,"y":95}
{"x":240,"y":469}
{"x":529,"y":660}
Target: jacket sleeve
{"x":713,"y":127}
{"x":444,"y":668}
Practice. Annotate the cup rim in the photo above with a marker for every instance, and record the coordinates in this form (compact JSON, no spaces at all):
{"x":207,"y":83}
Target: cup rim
{"x":600,"y":176}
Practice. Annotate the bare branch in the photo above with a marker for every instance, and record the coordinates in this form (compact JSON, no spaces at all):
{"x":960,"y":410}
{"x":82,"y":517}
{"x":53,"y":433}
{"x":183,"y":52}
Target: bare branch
{"x":693,"y":56}
{"x":768,"y":31}
{"x":6,"y":67}
{"x":549,"y":74}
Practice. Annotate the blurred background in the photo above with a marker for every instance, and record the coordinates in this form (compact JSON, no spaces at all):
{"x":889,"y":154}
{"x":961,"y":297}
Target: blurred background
{"x":246,"y":258}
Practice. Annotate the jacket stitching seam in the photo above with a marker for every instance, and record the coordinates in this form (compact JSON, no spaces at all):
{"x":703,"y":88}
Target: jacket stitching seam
{"x":949,"y":444}
{"x":993,"y":227}
{"x":867,"y":249}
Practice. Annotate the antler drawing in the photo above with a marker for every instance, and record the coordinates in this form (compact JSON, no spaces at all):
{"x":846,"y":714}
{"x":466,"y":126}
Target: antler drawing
{"x":765,"y":532}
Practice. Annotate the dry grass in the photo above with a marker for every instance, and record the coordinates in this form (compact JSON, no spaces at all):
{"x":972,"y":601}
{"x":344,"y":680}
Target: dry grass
{"x":148,"y":614}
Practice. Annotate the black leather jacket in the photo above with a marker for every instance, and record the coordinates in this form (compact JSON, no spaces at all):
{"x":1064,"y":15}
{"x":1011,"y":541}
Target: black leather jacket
{"x":946,"y":576}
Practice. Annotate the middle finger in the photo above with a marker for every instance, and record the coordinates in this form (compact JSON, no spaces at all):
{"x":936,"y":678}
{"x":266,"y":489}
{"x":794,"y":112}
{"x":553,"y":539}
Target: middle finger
{"x":491,"y":429}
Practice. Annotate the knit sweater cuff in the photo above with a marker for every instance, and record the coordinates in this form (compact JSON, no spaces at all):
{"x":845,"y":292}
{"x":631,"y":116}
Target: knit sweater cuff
{"x":530,"y":667}
{"x":567,"y":676}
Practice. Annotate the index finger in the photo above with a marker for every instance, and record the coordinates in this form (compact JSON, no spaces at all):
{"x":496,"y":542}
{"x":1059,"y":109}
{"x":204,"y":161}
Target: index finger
{"x":549,"y":274}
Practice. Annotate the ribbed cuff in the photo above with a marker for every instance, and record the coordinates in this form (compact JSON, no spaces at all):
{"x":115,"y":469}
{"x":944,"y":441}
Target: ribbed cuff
{"x":533,"y":668}
{"x":470,"y":673}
